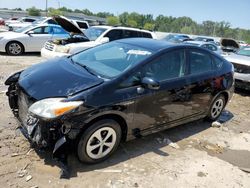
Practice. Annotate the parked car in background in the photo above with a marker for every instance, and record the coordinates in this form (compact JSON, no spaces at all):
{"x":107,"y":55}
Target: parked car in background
{"x":204,"y":39}
{"x":20,"y":20}
{"x":229,"y":45}
{"x":30,"y":38}
{"x":42,"y":20}
{"x":242,"y":43}
{"x":241,"y":62}
{"x":177,"y":38}
{"x":2,"y":22}
{"x":208,"y":45}
{"x":116,"y":92}
{"x":93,"y":36}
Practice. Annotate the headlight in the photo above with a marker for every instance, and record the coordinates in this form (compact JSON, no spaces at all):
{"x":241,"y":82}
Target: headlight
{"x":62,"y":49}
{"x":53,"y":107}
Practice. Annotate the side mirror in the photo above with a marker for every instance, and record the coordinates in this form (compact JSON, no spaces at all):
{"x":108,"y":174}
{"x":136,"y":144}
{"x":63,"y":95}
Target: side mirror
{"x":150,"y":83}
{"x":30,"y":33}
{"x":104,"y":40}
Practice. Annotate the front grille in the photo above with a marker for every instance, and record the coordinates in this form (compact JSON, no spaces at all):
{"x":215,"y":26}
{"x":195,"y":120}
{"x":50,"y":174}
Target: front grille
{"x":49,"y":46}
{"x":241,"y":68}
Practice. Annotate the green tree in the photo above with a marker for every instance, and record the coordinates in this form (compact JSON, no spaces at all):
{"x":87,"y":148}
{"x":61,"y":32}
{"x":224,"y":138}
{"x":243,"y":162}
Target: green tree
{"x":131,"y":23}
{"x":33,"y":11}
{"x":149,"y":26}
{"x":54,"y":12}
{"x":113,"y":20}
{"x":104,"y":14}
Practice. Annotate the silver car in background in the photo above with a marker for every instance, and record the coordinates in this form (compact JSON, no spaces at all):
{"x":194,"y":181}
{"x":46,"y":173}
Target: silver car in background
{"x":208,"y":45}
{"x":241,"y":62}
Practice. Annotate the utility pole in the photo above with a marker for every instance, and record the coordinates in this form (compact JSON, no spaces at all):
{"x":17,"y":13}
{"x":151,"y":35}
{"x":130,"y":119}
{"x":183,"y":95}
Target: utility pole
{"x":46,"y":9}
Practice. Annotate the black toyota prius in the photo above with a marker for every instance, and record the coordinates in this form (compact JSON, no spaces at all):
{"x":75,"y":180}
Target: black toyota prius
{"x":116,"y":92}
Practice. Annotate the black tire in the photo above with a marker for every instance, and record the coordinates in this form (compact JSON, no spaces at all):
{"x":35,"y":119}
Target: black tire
{"x":14,"y":48}
{"x":216,"y":108}
{"x":88,"y":137}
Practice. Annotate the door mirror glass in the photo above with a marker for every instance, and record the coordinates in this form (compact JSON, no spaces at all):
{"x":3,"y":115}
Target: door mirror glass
{"x":150,"y":83}
{"x":104,"y":40}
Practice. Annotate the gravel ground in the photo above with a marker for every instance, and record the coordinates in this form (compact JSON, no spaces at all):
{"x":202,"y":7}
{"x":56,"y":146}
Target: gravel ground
{"x":200,"y":155}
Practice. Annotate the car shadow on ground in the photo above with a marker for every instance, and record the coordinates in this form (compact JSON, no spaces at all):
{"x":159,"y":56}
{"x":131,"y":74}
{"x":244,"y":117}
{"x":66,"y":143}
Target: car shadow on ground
{"x":137,"y":147}
{"x":37,"y":54}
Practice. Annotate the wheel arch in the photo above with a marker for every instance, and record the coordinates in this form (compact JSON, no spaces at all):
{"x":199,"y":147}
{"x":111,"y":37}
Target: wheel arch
{"x":119,"y":119}
{"x":14,"y":41}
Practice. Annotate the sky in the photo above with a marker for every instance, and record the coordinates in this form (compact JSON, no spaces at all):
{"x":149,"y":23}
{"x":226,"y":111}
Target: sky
{"x":237,"y":12}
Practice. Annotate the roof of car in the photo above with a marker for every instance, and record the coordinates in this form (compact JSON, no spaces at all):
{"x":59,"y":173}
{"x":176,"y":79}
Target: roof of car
{"x":120,"y":27}
{"x":147,"y":43}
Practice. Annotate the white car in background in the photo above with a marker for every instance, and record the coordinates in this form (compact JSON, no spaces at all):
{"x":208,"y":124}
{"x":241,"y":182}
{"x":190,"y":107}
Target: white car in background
{"x":208,"y":45}
{"x":20,"y":20}
{"x":30,"y":39}
{"x":42,"y":20}
{"x":241,"y":63}
{"x":93,"y":36}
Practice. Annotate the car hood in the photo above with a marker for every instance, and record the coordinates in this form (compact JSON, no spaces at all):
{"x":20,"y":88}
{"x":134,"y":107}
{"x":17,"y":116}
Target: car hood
{"x":239,"y":59}
{"x":68,"y":25}
{"x":56,"y":78}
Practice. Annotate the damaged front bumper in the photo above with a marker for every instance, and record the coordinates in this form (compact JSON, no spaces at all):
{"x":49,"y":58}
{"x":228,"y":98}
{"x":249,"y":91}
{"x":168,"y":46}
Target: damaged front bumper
{"x":42,"y":134}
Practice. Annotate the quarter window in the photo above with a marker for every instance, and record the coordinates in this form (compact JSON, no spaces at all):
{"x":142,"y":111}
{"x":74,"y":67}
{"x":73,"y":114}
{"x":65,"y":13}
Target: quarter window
{"x":199,"y":62}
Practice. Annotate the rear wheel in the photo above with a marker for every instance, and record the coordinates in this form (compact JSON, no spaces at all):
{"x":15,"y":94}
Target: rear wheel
{"x":14,"y":48}
{"x":99,"y":141}
{"x":216,"y":107}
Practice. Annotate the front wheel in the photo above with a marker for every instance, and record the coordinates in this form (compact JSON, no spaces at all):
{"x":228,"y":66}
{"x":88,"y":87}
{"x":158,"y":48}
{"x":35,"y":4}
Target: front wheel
{"x":14,"y":48}
{"x":99,"y":141}
{"x":216,"y":107}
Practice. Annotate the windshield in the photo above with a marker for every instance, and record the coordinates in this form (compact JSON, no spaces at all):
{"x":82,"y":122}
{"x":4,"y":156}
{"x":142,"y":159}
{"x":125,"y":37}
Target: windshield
{"x":94,"y":32}
{"x":244,"y":51}
{"x":24,"y":29}
{"x":39,"y":21}
{"x":111,"y":59}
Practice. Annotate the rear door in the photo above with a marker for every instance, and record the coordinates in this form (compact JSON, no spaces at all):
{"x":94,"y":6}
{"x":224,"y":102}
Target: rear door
{"x":200,"y":81}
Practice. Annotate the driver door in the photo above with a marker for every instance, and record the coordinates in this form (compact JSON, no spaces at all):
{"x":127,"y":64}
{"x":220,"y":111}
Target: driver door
{"x":38,"y":37}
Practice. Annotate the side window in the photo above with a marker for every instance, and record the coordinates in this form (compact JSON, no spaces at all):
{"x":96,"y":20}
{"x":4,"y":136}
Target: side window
{"x":58,"y":30}
{"x":114,"y":34}
{"x":199,"y":62}
{"x":38,"y":30}
{"x":130,"y":34}
{"x":168,"y":66}
{"x":82,"y":25}
{"x":47,"y":30}
{"x":131,"y":81}
{"x":146,"y":35}
{"x":218,"y":62}
{"x":212,"y":47}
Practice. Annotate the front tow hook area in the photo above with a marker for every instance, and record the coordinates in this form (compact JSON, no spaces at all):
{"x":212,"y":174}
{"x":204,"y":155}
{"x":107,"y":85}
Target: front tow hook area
{"x":60,"y":154}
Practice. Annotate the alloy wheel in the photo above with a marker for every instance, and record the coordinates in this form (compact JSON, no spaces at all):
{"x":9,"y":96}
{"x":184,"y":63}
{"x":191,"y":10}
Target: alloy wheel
{"x":15,"y":48}
{"x":217,"y":108}
{"x":101,"y":143}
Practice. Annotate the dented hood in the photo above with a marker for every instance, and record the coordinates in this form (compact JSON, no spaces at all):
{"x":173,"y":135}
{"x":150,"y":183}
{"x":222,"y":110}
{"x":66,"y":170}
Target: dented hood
{"x":56,"y":78}
{"x":68,"y":25}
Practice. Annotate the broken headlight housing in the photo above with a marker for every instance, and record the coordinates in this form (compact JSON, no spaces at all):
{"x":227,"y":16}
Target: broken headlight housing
{"x":53,"y":107}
